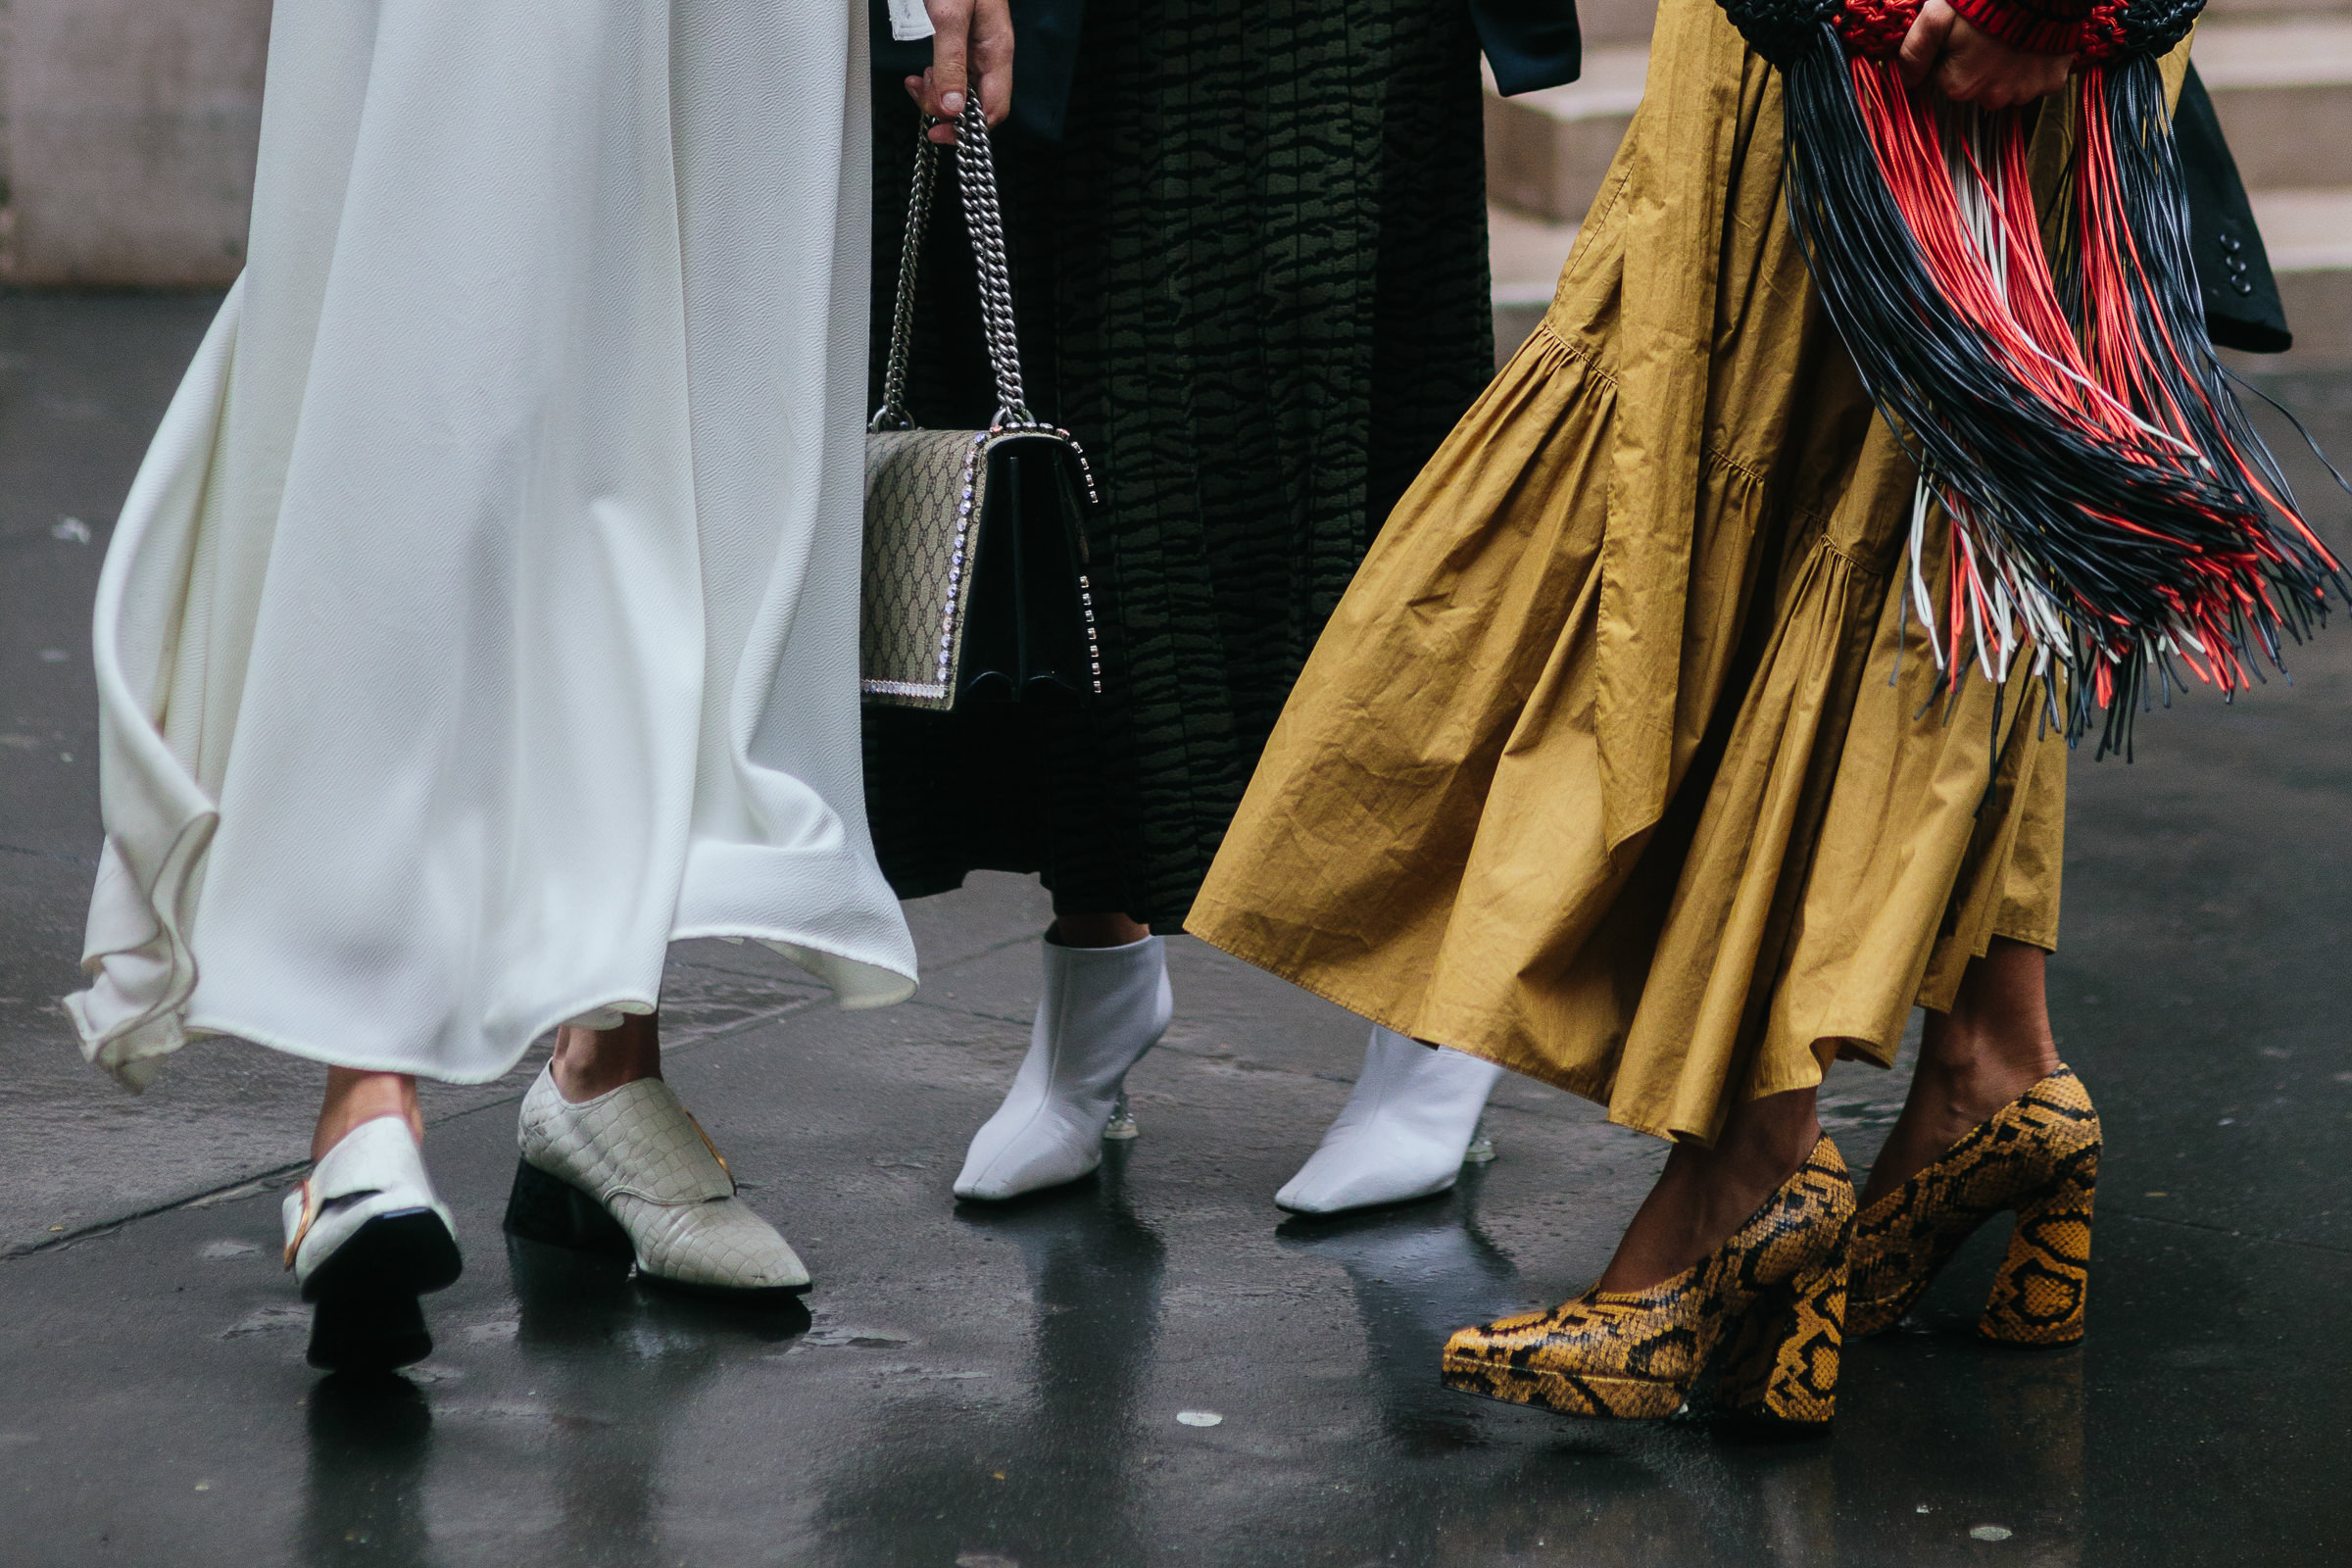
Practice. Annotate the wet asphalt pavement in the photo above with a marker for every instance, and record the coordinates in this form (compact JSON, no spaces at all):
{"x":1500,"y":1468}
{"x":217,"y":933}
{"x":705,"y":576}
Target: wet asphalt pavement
{"x":988,"y":1387}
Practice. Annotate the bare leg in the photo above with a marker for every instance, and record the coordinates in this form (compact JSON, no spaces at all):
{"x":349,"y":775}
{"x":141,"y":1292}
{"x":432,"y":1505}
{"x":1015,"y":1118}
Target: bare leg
{"x":354,"y":1096}
{"x":1994,"y":1046}
{"x":589,"y":1062}
{"x":1096,"y":931}
{"x":1705,"y":1195}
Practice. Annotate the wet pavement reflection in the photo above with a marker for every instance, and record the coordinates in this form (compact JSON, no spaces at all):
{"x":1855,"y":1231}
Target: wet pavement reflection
{"x":363,"y":1486}
{"x":1094,"y":1272}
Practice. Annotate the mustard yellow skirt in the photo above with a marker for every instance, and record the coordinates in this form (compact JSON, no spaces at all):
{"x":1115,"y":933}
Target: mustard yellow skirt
{"x":1621,"y":762}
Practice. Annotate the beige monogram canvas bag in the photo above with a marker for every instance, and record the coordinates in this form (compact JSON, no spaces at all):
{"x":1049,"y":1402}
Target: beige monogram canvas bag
{"x":975,"y":584}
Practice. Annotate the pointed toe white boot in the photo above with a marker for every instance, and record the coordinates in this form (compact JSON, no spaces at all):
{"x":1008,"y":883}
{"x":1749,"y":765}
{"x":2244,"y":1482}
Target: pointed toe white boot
{"x":1403,"y":1132}
{"x":1101,"y":1010}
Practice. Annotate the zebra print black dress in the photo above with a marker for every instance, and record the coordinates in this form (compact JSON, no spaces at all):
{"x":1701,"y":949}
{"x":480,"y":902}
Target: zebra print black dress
{"x":1252,"y":280}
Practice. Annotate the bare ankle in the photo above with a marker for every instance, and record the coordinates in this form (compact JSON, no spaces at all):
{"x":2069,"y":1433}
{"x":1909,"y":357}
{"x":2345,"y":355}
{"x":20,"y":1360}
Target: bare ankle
{"x":1706,"y":1195}
{"x":1970,"y":1086}
{"x":589,"y":1062}
{"x":354,"y":1096}
{"x":1096,"y":931}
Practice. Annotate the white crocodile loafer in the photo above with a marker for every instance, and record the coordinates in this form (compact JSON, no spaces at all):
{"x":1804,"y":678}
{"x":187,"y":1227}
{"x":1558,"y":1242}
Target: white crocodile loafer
{"x":632,"y":1174}
{"x":1403,"y":1133}
{"x":1101,"y":1010}
{"x":365,"y":1236}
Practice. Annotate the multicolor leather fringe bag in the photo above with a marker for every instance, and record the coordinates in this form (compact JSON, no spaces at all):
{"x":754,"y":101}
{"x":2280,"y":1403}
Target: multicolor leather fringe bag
{"x":2111,"y":512}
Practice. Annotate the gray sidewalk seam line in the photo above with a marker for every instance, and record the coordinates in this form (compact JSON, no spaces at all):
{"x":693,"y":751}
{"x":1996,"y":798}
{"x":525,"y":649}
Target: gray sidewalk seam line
{"x":991,"y":950}
{"x":798,"y":1004}
{"x":953,"y":1011}
{"x":753,"y":974}
{"x":1192,"y":1055}
{"x":117,"y":1222}
{"x":105,"y":1227}
{"x":745,"y":974}
{"x":48,"y":855}
{"x":2244,"y":1235}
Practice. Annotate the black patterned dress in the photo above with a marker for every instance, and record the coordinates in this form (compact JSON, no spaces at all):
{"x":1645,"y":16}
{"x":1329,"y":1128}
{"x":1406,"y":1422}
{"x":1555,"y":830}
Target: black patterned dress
{"x":1252,"y":280}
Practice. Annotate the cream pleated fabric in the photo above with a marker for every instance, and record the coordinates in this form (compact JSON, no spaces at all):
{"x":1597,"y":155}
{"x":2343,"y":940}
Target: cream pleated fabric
{"x":484,"y":615}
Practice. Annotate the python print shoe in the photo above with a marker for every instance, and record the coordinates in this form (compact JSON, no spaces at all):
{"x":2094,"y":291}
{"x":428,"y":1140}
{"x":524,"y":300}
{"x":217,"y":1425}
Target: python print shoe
{"x":1772,"y":1300}
{"x":630,"y":1173}
{"x":2038,"y":1157}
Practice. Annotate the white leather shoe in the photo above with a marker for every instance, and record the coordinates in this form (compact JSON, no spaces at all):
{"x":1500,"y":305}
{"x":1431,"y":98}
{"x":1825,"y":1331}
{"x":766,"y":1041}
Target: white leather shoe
{"x":632,"y":1174}
{"x":365,"y":1236}
{"x":1403,"y":1133}
{"x":1101,"y":1010}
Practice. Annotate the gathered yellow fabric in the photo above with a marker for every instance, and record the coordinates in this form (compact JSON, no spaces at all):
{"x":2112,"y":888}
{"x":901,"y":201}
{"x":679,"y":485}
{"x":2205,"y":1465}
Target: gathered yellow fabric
{"x":1621,"y":762}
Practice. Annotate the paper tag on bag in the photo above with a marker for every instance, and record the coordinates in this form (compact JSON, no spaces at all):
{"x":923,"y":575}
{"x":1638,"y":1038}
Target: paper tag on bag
{"x":908,"y":20}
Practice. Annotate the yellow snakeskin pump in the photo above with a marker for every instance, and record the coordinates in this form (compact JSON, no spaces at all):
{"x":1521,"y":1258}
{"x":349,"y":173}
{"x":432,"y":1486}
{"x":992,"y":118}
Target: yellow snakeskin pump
{"x":2038,"y":1155}
{"x":1772,"y":1299}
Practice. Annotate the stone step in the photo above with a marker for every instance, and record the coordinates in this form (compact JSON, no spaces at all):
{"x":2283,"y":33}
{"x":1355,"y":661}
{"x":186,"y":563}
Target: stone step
{"x":1546,"y":151}
{"x":2308,"y":233}
{"x":2309,"y":236}
{"x":2282,"y":85}
{"x":2273,"y":9}
{"x":2281,"y":76}
{"x":1525,"y":255}
{"x":2282,"y":90}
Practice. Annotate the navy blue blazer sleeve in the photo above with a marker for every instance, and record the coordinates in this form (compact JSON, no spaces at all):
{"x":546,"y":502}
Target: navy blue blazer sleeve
{"x":1529,"y":43}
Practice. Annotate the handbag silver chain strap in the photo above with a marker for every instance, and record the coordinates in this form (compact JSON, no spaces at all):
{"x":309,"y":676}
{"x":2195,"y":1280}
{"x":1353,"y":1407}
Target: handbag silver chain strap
{"x":976,"y":178}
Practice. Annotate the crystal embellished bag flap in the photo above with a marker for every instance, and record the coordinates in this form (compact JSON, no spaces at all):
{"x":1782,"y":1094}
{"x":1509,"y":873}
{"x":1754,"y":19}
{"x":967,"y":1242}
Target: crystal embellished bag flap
{"x":975,"y":575}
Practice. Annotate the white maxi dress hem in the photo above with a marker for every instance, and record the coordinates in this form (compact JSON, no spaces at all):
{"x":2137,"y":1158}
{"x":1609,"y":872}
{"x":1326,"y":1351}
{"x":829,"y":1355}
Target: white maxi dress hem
{"x":483,"y":617}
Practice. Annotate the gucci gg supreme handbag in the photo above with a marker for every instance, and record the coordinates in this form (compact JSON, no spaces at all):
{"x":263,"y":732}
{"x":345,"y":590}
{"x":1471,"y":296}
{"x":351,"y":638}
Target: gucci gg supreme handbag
{"x":975,"y":580}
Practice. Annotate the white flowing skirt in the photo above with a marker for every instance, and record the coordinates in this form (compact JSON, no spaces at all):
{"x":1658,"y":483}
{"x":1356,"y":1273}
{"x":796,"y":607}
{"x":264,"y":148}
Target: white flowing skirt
{"x":484,"y":615}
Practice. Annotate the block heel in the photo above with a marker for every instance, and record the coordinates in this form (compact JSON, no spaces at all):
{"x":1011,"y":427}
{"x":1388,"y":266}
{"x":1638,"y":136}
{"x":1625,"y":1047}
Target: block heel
{"x":2037,"y":1156}
{"x":541,"y":1207}
{"x":1782,"y":1370}
{"x":360,"y":1335}
{"x":2038,"y":1295}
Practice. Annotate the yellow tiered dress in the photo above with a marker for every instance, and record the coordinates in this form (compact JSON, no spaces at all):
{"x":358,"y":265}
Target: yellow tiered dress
{"x":1621,"y":764}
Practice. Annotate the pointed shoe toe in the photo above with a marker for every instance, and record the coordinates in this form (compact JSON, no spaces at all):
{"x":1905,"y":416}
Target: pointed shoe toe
{"x":1765,"y":1307}
{"x":1403,"y":1134}
{"x":1360,"y":1172}
{"x":718,"y":1247}
{"x":1042,"y":1150}
{"x":632,"y":1174}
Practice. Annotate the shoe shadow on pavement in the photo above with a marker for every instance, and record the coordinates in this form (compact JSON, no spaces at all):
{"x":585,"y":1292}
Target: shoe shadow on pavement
{"x":1419,"y":1271}
{"x":572,"y":1299}
{"x":1088,"y":1333}
{"x":618,"y":1371}
{"x":371,"y":1435}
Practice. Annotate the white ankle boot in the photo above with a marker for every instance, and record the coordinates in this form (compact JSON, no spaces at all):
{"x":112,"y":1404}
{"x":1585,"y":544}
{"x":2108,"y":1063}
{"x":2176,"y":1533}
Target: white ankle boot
{"x":1101,"y":1010}
{"x":1403,"y":1133}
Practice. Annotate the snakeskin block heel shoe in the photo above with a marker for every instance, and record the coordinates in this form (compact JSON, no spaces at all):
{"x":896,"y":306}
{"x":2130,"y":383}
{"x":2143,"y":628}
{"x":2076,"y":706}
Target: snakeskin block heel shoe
{"x":1771,"y":1299}
{"x":2038,"y":1157}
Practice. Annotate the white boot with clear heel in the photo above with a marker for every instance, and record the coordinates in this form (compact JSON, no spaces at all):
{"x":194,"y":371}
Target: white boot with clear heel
{"x":1101,"y":1010}
{"x":1404,"y":1133}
